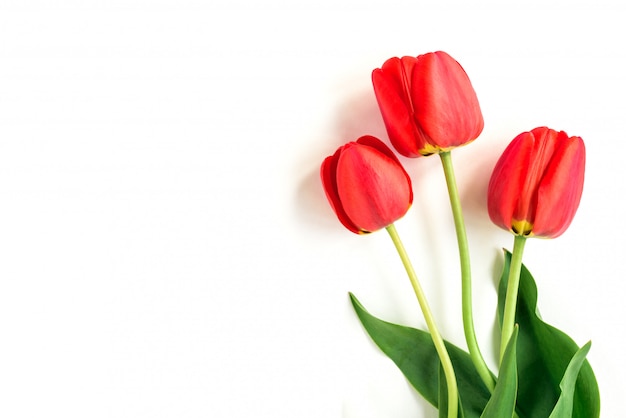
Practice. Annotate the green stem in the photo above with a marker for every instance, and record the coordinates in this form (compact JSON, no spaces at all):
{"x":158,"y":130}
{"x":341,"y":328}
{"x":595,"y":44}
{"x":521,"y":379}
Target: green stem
{"x":510,"y":303}
{"x":466,"y":274}
{"x":446,"y":363}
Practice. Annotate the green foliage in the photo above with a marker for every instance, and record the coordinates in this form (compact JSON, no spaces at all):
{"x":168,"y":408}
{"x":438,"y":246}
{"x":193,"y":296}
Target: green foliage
{"x":543,"y":355}
{"x":544,"y":373}
{"x":564,"y":406}
{"x":443,"y":397}
{"x":414,"y":353}
{"x":502,"y":402}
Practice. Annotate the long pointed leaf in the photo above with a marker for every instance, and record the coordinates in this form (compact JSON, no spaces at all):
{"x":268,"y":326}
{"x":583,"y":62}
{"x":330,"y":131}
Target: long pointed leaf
{"x":502,"y":402}
{"x":564,"y":406}
{"x":414,"y":353}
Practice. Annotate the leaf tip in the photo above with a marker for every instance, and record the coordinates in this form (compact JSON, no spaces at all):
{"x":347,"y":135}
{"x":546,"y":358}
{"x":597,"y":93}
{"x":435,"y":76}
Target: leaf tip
{"x":355,"y":302}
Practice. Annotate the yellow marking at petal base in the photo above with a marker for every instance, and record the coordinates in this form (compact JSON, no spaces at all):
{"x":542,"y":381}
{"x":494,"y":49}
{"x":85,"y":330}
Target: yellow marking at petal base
{"x":523,"y":228}
{"x":429,"y":149}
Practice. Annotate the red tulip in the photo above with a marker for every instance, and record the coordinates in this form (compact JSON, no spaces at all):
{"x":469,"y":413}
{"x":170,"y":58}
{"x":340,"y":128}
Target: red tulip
{"x":428,"y":104}
{"x":537,"y":183}
{"x":366,"y":185}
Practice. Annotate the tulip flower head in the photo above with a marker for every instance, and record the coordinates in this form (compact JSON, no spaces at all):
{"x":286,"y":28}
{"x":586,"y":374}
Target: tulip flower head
{"x":537,"y":183}
{"x":428,"y":104}
{"x":366,"y":185}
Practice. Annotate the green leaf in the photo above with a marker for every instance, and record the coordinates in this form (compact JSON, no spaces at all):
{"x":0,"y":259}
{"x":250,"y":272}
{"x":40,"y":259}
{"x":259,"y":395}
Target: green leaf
{"x":414,"y":353}
{"x":502,"y":402}
{"x":564,"y":406}
{"x":543,"y":355}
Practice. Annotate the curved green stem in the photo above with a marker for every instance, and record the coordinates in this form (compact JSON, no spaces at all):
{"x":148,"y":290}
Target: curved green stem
{"x":466,"y":274}
{"x":510,"y":302}
{"x":446,"y":363}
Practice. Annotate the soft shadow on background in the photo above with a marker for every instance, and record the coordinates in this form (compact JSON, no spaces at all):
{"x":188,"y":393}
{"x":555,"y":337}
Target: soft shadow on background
{"x":358,"y":115}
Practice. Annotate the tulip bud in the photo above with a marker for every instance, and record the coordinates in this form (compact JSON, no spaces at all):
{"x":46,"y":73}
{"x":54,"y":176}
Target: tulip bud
{"x":366,"y":185}
{"x":428,"y":104}
{"x":537,"y":183}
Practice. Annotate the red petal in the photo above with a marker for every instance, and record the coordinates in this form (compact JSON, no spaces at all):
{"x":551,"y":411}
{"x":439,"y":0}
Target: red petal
{"x":328,"y":174}
{"x":558,"y":195}
{"x":507,"y":181}
{"x":373,"y":188}
{"x":372,"y":141}
{"x":391,"y":85}
{"x":446,"y":107}
{"x":379,"y":145}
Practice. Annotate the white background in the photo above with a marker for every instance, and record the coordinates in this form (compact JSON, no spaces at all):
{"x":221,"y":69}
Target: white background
{"x":166,"y":249}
